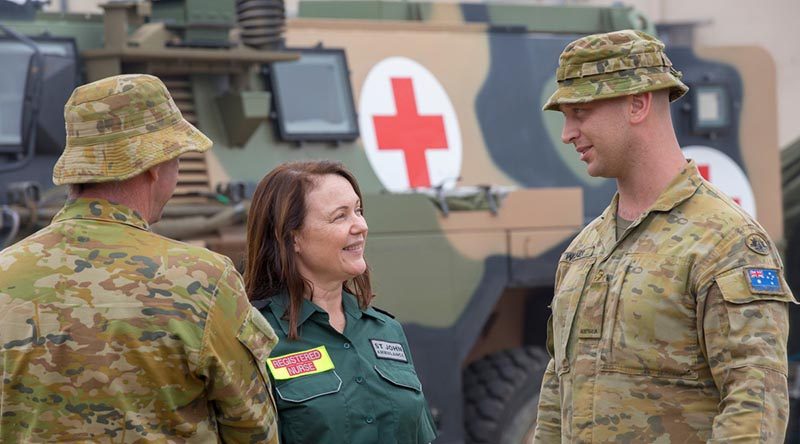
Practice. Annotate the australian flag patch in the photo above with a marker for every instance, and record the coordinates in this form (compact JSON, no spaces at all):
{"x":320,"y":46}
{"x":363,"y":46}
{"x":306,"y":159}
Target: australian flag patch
{"x":764,"y":280}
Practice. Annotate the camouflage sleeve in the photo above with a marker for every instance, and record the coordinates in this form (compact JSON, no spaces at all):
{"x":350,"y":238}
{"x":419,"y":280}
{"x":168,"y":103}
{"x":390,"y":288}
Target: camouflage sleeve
{"x":548,"y":421}
{"x":236,"y":344}
{"x":743,"y":317}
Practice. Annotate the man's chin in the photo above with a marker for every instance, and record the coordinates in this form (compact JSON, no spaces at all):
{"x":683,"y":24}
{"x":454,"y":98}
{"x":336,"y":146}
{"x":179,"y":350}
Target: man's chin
{"x":598,"y":173}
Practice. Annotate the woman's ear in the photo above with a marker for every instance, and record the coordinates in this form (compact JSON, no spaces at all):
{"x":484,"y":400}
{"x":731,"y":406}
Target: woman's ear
{"x":296,"y":242}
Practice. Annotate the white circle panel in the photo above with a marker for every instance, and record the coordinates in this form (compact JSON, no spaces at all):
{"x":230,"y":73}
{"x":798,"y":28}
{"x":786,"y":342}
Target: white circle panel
{"x":719,"y":169}
{"x":409,"y":127}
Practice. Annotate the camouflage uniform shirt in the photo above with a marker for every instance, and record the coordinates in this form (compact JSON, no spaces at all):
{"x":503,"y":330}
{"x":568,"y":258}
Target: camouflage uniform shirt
{"x":111,"y":333}
{"x":676,"y":332}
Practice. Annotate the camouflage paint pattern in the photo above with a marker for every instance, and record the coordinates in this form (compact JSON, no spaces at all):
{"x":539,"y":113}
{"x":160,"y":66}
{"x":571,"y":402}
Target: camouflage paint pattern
{"x":614,"y":64}
{"x":498,"y":72}
{"x":121,"y":126}
{"x":658,"y":337}
{"x":112,"y":333}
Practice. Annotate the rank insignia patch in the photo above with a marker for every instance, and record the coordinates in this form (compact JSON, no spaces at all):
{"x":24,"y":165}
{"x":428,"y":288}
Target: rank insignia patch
{"x":757,"y":243}
{"x":764,"y":280}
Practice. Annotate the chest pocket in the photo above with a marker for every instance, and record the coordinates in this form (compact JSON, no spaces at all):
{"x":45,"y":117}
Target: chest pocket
{"x":404,"y":391}
{"x":309,"y":406}
{"x":400,"y":377}
{"x":565,"y":303}
{"x":654,"y":319}
{"x":306,"y":388}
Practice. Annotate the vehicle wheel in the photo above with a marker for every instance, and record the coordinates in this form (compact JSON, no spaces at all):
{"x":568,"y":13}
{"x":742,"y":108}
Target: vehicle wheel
{"x":501,"y":393}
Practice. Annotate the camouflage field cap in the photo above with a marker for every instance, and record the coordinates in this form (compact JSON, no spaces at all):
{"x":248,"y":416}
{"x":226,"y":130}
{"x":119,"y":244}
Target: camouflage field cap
{"x":121,"y":126}
{"x":614,"y":64}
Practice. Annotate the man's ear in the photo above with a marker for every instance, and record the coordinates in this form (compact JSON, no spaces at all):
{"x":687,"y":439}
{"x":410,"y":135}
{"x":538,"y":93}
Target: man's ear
{"x":153,"y":173}
{"x":639,"y":107}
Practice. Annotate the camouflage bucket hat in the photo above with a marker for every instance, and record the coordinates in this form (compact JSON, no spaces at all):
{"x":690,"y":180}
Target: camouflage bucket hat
{"x":121,"y":126}
{"x":615,"y":64}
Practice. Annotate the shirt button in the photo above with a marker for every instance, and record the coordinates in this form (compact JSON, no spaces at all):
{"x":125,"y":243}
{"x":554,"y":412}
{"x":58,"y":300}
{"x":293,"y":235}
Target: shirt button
{"x":359,"y":379}
{"x":346,"y":345}
{"x":600,"y":275}
{"x":369,"y":419}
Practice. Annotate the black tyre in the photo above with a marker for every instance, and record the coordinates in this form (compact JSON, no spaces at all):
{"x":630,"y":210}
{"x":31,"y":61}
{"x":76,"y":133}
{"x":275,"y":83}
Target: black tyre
{"x":502,"y":395}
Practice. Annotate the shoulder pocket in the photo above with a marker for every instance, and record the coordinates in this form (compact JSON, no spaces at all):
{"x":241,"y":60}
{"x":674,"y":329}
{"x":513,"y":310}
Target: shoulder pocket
{"x":258,"y":337}
{"x":749,"y":284}
{"x":400,"y":377}
{"x":309,"y":387}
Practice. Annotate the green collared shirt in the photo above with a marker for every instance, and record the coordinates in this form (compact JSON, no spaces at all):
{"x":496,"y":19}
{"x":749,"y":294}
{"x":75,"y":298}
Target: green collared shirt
{"x":372,"y":393}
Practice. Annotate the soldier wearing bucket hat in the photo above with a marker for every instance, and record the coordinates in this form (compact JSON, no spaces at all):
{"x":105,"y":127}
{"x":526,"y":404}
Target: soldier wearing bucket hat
{"x":109,"y":331}
{"x":670,"y":311}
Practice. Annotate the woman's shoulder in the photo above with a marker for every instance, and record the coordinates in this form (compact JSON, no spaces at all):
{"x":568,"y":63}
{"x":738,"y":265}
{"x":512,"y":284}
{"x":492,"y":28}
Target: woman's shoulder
{"x":388,"y":321}
{"x":269,"y":308}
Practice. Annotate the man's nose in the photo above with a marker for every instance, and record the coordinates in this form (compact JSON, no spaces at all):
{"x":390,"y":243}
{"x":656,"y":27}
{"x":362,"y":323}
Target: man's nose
{"x":570,"y":131}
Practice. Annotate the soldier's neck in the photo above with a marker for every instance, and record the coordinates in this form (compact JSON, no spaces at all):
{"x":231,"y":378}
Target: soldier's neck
{"x":126,"y":194}
{"x":640,"y":186}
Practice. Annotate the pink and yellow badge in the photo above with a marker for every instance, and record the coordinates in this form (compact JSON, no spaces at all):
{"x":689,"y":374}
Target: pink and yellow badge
{"x":307,"y":362}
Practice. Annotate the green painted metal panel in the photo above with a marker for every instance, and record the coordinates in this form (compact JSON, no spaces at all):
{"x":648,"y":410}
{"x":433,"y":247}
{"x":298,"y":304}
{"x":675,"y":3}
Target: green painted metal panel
{"x":87,"y":30}
{"x":263,"y":145}
{"x":423,"y":270}
{"x":348,"y":9}
{"x":400,"y":213}
{"x":554,"y":19}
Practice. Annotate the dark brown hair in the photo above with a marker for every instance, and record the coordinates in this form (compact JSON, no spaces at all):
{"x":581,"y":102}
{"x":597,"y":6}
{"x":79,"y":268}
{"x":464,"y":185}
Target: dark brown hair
{"x":277,"y":211}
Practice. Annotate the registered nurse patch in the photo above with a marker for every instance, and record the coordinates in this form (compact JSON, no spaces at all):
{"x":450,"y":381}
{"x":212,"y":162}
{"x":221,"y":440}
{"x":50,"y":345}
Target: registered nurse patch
{"x":764,"y":280}
{"x":306,"y":362}
{"x":389,"y":350}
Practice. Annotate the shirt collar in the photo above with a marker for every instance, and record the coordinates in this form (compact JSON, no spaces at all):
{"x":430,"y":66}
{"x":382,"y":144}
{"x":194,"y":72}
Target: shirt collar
{"x":682,"y":187}
{"x":279,"y":305}
{"x":102,"y":210}
{"x":351,"y":307}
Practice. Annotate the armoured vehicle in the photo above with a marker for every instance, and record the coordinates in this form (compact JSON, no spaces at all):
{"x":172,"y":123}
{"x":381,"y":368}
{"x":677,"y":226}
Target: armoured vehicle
{"x":469,"y":193}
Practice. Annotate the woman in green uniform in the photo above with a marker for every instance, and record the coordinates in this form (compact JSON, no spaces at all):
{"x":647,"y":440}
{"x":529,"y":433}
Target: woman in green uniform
{"x":342,"y":371}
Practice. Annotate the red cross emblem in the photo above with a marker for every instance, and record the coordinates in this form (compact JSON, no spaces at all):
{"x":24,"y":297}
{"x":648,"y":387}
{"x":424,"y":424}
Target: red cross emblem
{"x":410,"y":132}
{"x":409,"y":127}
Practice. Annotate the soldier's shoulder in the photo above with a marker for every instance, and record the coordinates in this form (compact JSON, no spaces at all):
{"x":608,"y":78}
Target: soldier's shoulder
{"x":732,"y":223}
{"x":172,"y":247}
{"x":38,"y":242}
{"x":711,"y":203}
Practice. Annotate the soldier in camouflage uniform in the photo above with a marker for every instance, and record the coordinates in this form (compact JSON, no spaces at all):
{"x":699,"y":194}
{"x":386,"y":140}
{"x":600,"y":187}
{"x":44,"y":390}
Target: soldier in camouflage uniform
{"x":670,"y":310}
{"x":109,"y":332}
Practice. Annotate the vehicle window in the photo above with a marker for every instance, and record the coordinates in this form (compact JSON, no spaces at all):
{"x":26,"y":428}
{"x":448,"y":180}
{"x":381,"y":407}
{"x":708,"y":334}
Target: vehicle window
{"x":13,"y":78}
{"x":312,"y":96}
{"x":711,"y":108}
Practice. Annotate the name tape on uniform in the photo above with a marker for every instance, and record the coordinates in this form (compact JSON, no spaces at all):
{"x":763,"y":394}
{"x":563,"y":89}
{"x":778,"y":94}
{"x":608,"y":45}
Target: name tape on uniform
{"x":293,"y":365}
{"x":389,"y":350}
